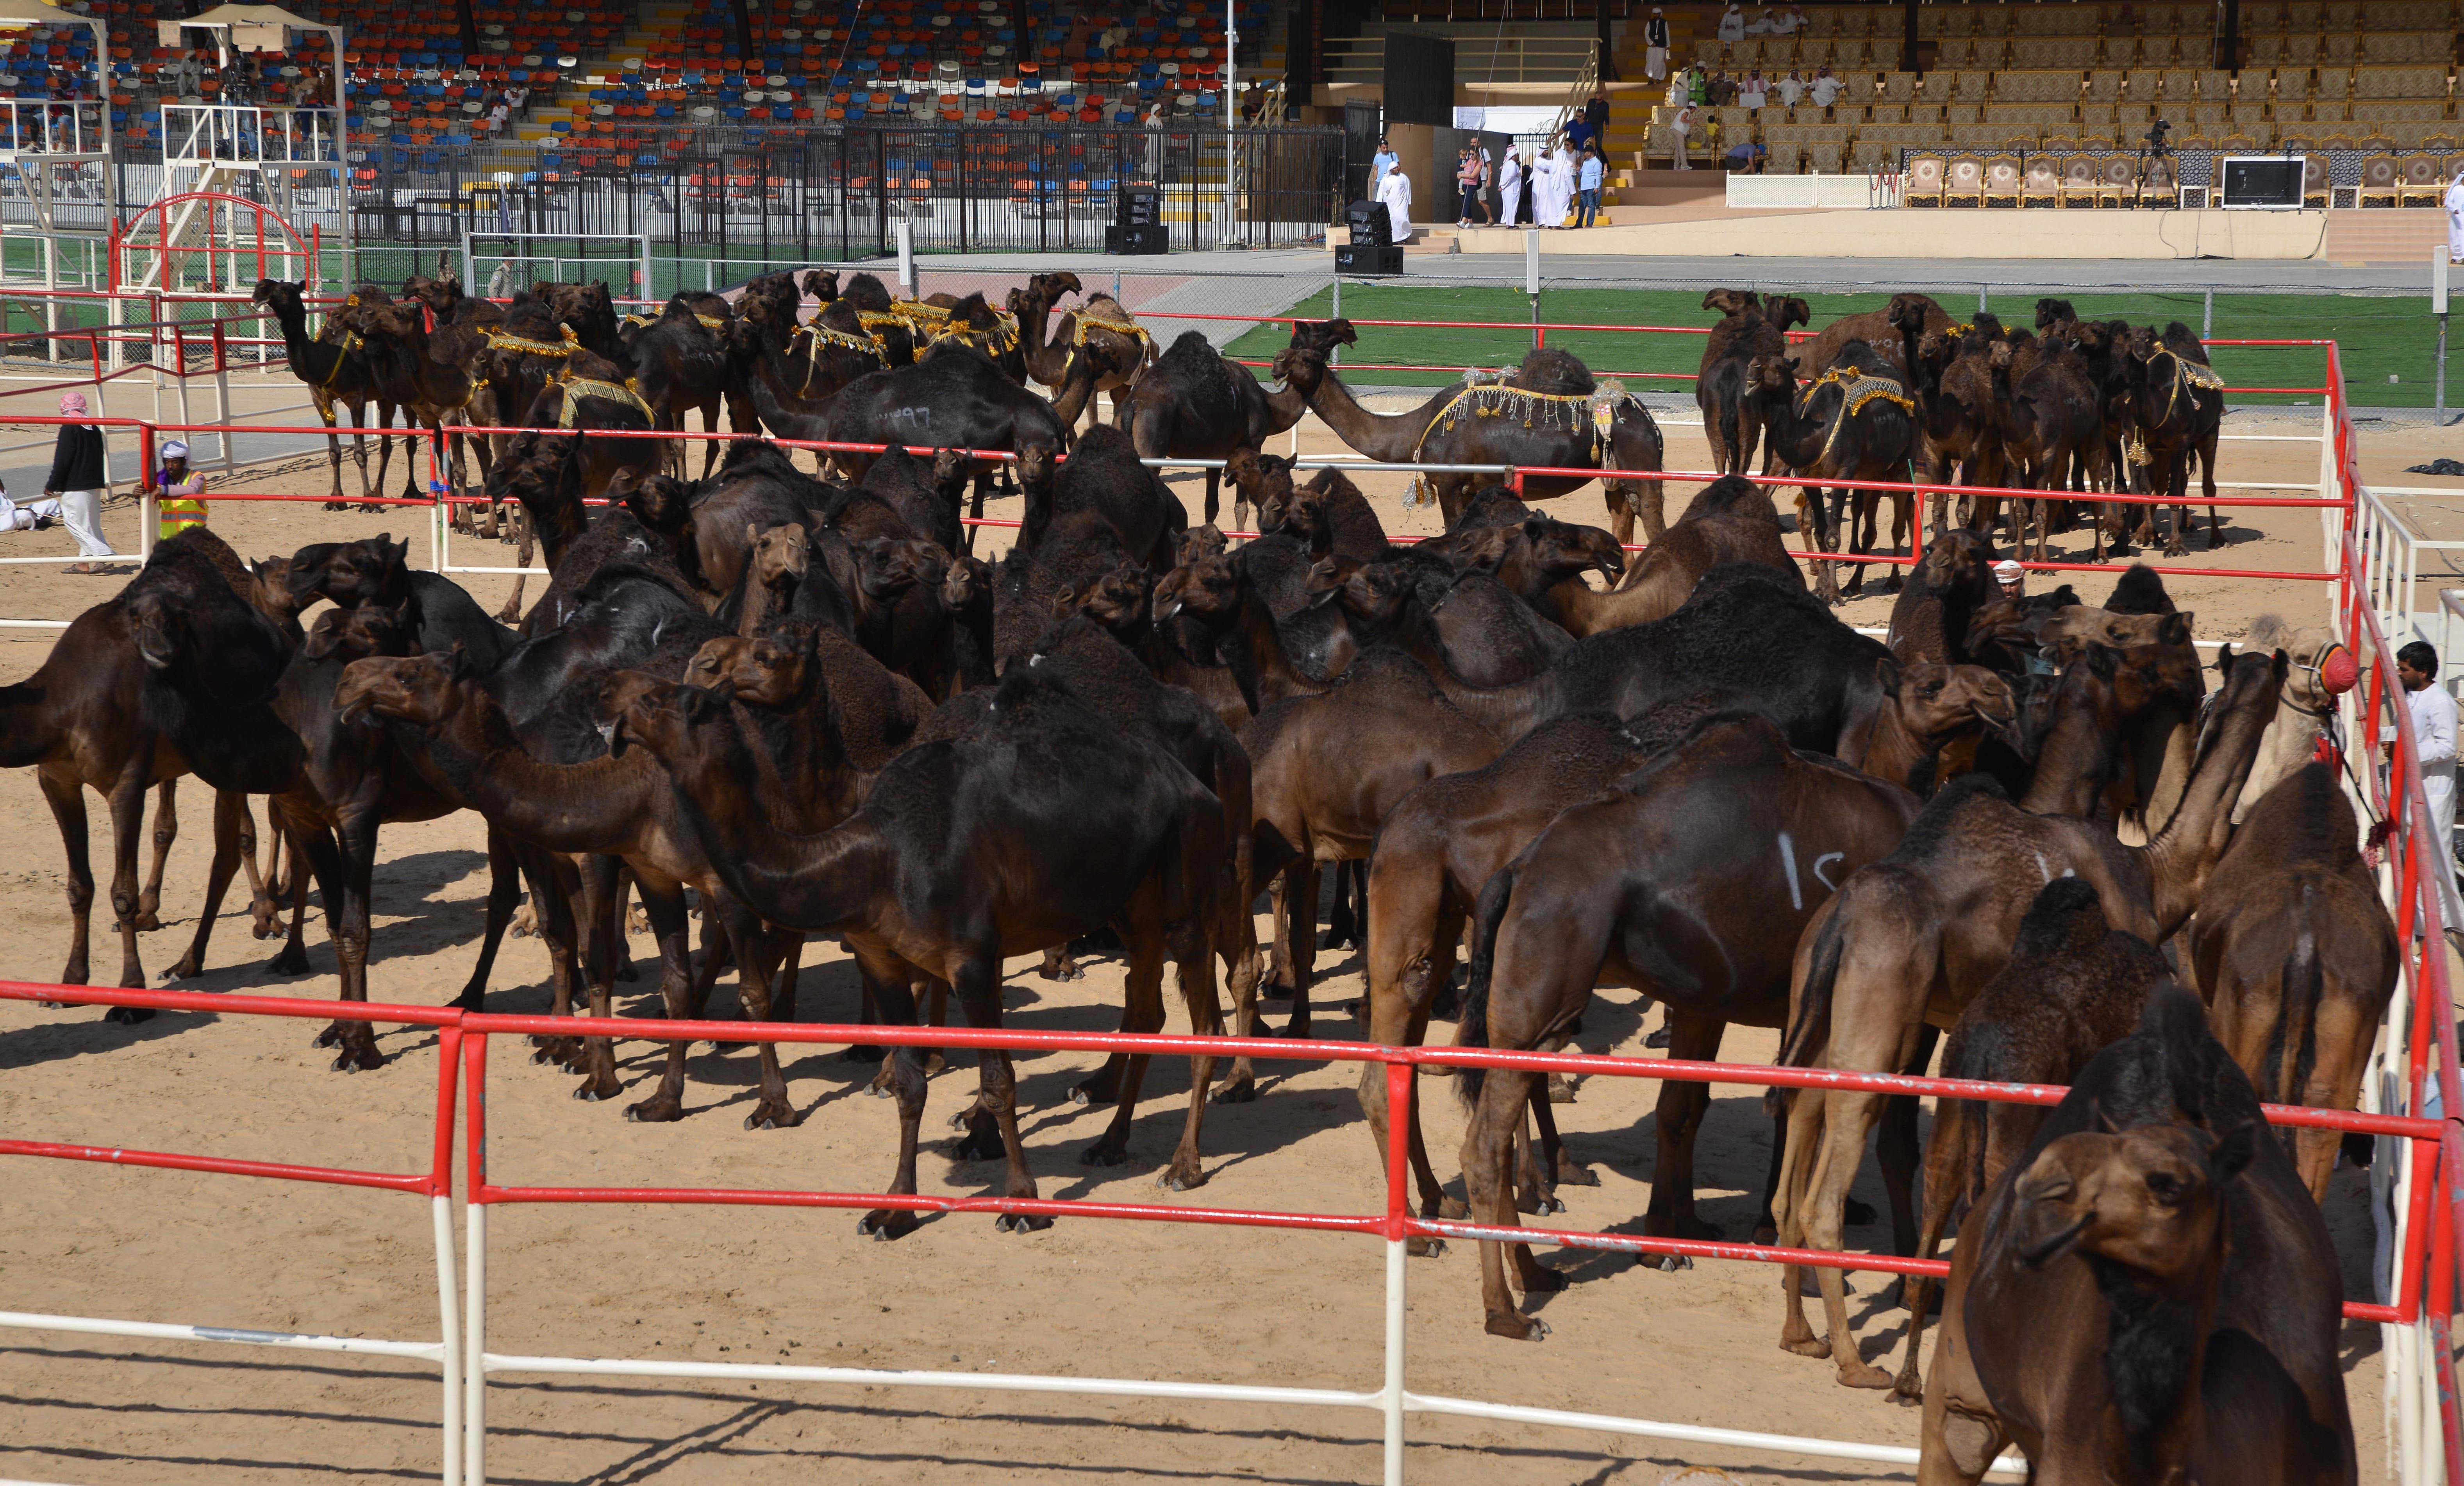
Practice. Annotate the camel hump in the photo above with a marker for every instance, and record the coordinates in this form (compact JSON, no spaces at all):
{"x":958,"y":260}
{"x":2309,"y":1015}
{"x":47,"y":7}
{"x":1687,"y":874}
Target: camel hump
{"x":1546,"y":370}
{"x":200,"y":544}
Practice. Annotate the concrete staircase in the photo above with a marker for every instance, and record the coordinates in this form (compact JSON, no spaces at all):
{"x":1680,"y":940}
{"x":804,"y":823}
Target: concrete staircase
{"x":1630,"y":114}
{"x":2385,"y":234}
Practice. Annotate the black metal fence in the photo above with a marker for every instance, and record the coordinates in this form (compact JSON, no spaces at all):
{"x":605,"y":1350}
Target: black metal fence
{"x":841,"y":192}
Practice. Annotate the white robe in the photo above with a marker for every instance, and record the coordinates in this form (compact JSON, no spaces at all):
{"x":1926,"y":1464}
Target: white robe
{"x":2434,"y":732}
{"x":1395,"y":191}
{"x":1732,"y":25}
{"x":2455,"y":220}
{"x":1510,"y":189}
{"x":1553,"y":195}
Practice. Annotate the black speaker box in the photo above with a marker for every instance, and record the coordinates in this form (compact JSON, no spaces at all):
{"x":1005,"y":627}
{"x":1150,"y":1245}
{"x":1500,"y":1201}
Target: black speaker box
{"x":1350,"y":258}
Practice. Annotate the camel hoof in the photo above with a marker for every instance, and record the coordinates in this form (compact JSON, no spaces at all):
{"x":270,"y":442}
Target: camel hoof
{"x":1543,"y":1281}
{"x":1808,"y":1346}
{"x":864,"y":1052}
{"x":598,"y":1087}
{"x":1177,"y":1178}
{"x":147,"y":923}
{"x":291,"y":962}
{"x":352,"y":1059}
{"x":773,"y":1115}
{"x":1908,"y":1393}
{"x":1094,"y":1091}
{"x":1669,"y":1263}
{"x":1570,"y":1174}
{"x":657,"y":1109}
{"x":627,"y":972}
{"x":1865,"y":1375}
{"x":1561,"y":1090}
{"x":1515,"y":1326}
{"x":186,"y":969}
{"x":1100,"y":1154}
{"x":1066,"y":970}
{"x":985,"y":1146}
{"x":129,"y":1016}
{"x":330,"y":1037}
{"x":1657,"y":1039}
{"x":1858,"y":1212}
{"x":884,"y":1224}
{"x":1240,"y":1092}
{"x":474,"y":999}
{"x":1019,"y":1223}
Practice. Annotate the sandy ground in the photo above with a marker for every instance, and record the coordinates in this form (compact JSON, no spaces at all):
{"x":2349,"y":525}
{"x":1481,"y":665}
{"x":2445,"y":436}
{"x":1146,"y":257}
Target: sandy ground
{"x":1085,"y":1297}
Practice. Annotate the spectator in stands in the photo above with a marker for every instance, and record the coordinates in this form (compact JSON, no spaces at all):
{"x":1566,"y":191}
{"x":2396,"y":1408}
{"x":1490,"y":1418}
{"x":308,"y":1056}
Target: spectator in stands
{"x":1655,"y":46}
{"x":1595,"y":171}
{"x":76,"y":482}
{"x":1825,"y":88}
{"x":1381,"y":163}
{"x":1711,"y":137}
{"x":1578,"y":133}
{"x":515,"y":96}
{"x":1789,"y":89}
{"x":497,"y":117}
{"x":1789,"y":21}
{"x":1745,"y":158}
{"x":1679,"y":128}
{"x":1595,"y":113}
{"x":1754,"y":92}
{"x":1732,"y":27}
{"x":1698,"y":86}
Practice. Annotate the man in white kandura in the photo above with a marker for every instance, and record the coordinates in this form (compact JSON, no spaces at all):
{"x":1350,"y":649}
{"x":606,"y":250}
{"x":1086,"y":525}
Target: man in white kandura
{"x":1509,"y":190}
{"x":2433,"y":734}
{"x":2455,"y":220}
{"x":1394,"y":189}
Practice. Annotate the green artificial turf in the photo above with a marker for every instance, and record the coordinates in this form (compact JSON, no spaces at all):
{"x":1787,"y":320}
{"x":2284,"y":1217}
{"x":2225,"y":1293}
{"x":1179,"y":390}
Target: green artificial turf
{"x":2376,"y":337}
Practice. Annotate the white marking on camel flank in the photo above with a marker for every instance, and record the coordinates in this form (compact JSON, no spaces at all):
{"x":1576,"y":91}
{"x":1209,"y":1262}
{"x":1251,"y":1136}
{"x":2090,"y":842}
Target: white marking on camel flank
{"x":1827,"y":856}
{"x":1788,"y":864}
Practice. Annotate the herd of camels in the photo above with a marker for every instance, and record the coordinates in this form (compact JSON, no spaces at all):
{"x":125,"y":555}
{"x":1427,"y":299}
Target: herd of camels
{"x":801,"y":704}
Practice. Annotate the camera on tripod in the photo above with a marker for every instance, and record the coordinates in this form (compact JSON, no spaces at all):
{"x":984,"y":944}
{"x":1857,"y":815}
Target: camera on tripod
{"x":2156,"y":144}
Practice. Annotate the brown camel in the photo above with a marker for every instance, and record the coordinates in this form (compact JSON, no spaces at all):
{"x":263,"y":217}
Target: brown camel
{"x":432,"y":391}
{"x":1100,"y":321}
{"x":1091,"y":826}
{"x":336,"y":372}
{"x":2148,"y":1297}
{"x":1684,"y":881}
{"x":2296,"y":955}
{"x":556,"y":469}
{"x":1929,"y":619}
{"x":2176,"y":410}
{"x":1909,"y":941}
{"x":1192,"y":404}
{"x":2051,"y":416}
{"x":1749,"y":326}
{"x":2073,"y":987}
{"x":1854,"y":422}
{"x":1960,"y":415}
{"x":1877,"y":328}
{"x":1730,"y":521}
{"x":1550,"y":414}
{"x":681,"y":359}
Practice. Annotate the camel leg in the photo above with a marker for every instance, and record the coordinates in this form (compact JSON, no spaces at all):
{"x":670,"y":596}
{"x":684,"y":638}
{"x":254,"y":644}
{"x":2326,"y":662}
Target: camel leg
{"x":2206,"y":451}
{"x":231,"y":809}
{"x":1496,"y":1118}
{"x":769,"y":995}
{"x":976,"y":983}
{"x":1343,"y":923}
{"x":504,"y":893}
{"x":1556,"y":1166}
{"x":602,"y":918}
{"x":512,"y":612}
{"x":358,"y":840}
{"x":684,"y":989}
{"x":292,"y":958}
{"x":890,"y":978}
{"x":1142,"y":1012}
{"x":1900,"y":506}
{"x":1194,"y":965}
{"x":1417,"y":925}
{"x":1679,"y":1121}
{"x":1849,"y":1116}
{"x":1803,"y":1125}
{"x":323,"y":402}
{"x":2341,"y":1033}
{"x":1896,"y":1150}
{"x":166,"y":829}
{"x":1214,"y":492}
{"x":127,"y":800}
{"x":1300,"y":938}
{"x":67,"y":799}
{"x":264,"y":883}
{"x":1815,"y":538}
{"x":2177,"y":484}
{"x":1946,"y":1161}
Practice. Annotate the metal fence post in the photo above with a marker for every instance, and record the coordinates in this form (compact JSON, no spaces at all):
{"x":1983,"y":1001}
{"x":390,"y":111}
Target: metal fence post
{"x":1399,"y":1171}
{"x":2207,"y":316}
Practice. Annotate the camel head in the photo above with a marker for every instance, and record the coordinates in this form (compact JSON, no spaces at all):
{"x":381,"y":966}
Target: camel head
{"x":529,"y":470}
{"x":967,"y":589}
{"x":662,"y":502}
{"x":2309,"y":652}
{"x":1374,"y":594}
{"x":2052,"y":312}
{"x":1322,"y":335}
{"x":716,"y":659}
{"x":1050,"y":287}
{"x":2069,"y":630}
{"x":1036,"y":461}
{"x":2148,"y":675}
{"x":1937,"y":349}
{"x":1120,"y":601}
{"x":2148,"y":1200}
{"x":1563,"y":550}
{"x":1772,"y":376}
{"x":361,"y":630}
{"x":270,"y":588}
{"x":1935,"y":703}
{"x":400,"y":322}
{"x":1265,"y":480}
{"x":778,"y":668}
{"x":437,"y":294}
{"x":1732,"y":301}
{"x":635,"y":706}
{"x":1302,"y":366}
{"x":1306,"y":511}
{"x":420,"y":690}
{"x":1958,"y":561}
{"x":1998,"y":357}
{"x":1208,"y":589}
{"x":822,"y":284}
{"x":1784,"y":310}
{"x":887,"y":568}
{"x":279,"y":294}
{"x":371,"y":570}
{"x":1908,"y":312}
{"x":1207,"y":540}
{"x":781,"y":556}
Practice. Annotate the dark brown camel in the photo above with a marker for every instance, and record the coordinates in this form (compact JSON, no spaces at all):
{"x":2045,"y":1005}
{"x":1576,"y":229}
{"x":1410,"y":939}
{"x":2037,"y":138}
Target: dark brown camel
{"x":2177,"y":408}
{"x":1100,"y":322}
{"x":556,"y":469}
{"x":1684,"y":881}
{"x":1958,"y":413}
{"x":2051,"y":416}
{"x":338,"y":372}
{"x":2148,"y":1297}
{"x":2073,"y":986}
{"x":1749,"y":326}
{"x":1549,"y":413}
{"x":681,"y":359}
{"x":1192,"y":404}
{"x":432,"y":391}
{"x":1877,"y":328}
{"x":1929,"y":619}
{"x":1091,"y":826}
{"x":1855,"y":422}
{"x":2295,"y":956}
{"x":1731,"y":521}
{"x":1909,"y":941}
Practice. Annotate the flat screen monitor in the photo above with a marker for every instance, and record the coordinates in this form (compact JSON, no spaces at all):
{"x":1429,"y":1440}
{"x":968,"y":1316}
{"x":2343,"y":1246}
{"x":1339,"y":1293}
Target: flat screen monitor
{"x":2263,"y":182}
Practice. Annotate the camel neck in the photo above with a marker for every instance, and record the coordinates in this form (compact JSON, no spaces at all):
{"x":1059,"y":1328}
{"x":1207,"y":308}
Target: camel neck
{"x":820,"y":883}
{"x":2156,"y":1343}
{"x":2188,"y":848}
{"x":1259,"y":662}
{"x":480,"y":762}
{"x":1388,"y":436}
{"x":1895,"y":753}
{"x":803,"y":775}
{"x":298,"y":348}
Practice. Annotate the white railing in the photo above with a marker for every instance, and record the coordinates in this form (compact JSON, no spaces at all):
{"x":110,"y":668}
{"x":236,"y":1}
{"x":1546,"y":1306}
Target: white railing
{"x":49,"y":127}
{"x":248,"y":135}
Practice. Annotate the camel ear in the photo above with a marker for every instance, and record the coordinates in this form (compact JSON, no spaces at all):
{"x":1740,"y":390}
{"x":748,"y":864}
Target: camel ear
{"x":2233,"y":1152}
{"x":2224,"y":657}
{"x":1886,"y":676}
{"x":2173,"y":630}
{"x":457,"y":662}
{"x":752,"y":533}
{"x":1065,"y":602}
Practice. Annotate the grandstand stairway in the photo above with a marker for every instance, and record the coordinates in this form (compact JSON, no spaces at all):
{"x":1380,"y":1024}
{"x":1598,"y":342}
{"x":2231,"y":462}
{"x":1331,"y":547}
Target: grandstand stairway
{"x":2397,"y":235}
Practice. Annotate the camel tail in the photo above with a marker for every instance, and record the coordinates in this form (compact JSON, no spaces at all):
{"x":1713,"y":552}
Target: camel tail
{"x":1472,"y":1031}
{"x":2293,"y":1051}
{"x":1732,"y":433}
{"x":1807,"y":1032}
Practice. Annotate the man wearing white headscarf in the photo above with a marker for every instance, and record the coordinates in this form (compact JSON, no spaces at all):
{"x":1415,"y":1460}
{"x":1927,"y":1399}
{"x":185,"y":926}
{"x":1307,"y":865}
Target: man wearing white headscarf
{"x":1509,"y":190}
{"x":1394,"y":189}
{"x":2455,"y":220}
{"x":1553,"y":192}
{"x":1655,"y":46}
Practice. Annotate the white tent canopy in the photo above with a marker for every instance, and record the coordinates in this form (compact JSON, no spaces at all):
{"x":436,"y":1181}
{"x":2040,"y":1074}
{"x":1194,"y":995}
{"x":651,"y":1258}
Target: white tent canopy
{"x":253,"y":28}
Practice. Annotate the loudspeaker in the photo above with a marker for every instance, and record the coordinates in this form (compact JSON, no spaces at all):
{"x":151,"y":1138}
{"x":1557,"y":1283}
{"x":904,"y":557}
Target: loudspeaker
{"x":1354,"y":259}
{"x":1143,"y":239}
{"x":1371,"y":224}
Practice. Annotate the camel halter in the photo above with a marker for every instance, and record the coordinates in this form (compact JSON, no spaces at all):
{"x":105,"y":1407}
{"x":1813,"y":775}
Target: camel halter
{"x":862,"y":346}
{"x":577,"y":387}
{"x":352,"y":340}
{"x":1119,"y":327}
{"x":1857,"y":388}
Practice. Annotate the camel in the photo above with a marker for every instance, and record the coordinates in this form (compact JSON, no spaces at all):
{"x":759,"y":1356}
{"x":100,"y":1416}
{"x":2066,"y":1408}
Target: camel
{"x":1192,"y":404}
{"x":1092,"y":826}
{"x":1930,"y":618}
{"x":1854,"y":422}
{"x":1100,"y":321}
{"x":2051,"y":416}
{"x":2073,"y":986}
{"x":1880,"y":329}
{"x":1957,"y":410}
{"x":431,"y":390}
{"x":2295,"y":956}
{"x":1648,"y":886}
{"x":2177,"y":407}
{"x":551,"y":472}
{"x":1731,"y":521}
{"x":2148,"y":1295}
{"x":682,"y":361}
{"x":1548,"y":413}
{"x":1908,"y":944}
{"x":336,"y":372}
{"x":1749,"y":326}
{"x":2321,"y":669}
